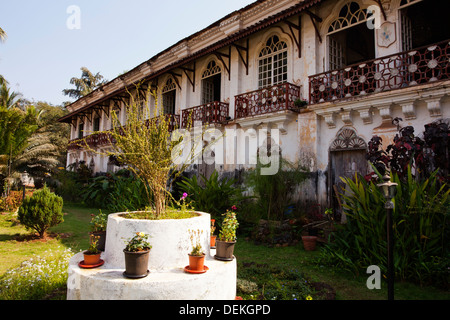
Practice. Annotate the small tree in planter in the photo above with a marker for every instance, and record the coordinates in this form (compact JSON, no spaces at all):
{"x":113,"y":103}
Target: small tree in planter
{"x":41,"y":211}
{"x":227,"y":237}
{"x":153,"y":152}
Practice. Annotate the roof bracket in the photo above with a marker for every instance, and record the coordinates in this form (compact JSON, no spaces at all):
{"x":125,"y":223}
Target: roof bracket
{"x":220,"y":56}
{"x":314,"y":18}
{"x":245,"y":49}
{"x":297,"y":37}
{"x":191,"y":80}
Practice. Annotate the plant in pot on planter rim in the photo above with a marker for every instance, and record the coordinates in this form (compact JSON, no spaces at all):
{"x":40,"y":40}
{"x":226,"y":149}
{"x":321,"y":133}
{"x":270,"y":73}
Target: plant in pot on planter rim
{"x":98,"y":228}
{"x":92,"y":255}
{"x":213,"y":236}
{"x":227,"y":237}
{"x":197,"y":256}
{"x":136,"y":252}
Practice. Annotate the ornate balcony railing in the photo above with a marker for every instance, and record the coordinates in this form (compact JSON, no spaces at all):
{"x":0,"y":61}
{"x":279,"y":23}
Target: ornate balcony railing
{"x":94,"y":140}
{"x":213,"y":112}
{"x":267,"y":100}
{"x":414,"y":67}
{"x":99,"y":139}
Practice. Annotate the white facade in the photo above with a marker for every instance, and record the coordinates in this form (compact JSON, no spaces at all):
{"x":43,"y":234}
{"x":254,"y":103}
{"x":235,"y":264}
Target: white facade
{"x":294,"y":40}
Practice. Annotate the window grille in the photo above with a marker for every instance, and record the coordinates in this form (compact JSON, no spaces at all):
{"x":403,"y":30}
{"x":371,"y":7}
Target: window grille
{"x":272,"y":63}
{"x":350,"y":15}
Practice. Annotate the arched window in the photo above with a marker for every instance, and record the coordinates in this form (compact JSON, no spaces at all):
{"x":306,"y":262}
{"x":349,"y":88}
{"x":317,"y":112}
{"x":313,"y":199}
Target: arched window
{"x":168,"y":96}
{"x":272,"y":63}
{"x":211,"y":83}
{"x":349,"y":39}
{"x":349,"y":15}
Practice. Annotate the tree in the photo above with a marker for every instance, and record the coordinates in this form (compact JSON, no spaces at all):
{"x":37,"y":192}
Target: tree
{"x":84,"y":85}
{"x":149,"y":149}
{"x":41,"y":211}
{"x":3,"y":35}
{"x":47,"y":147}
{"x":16,"y":127}
{"x":8,"y":98}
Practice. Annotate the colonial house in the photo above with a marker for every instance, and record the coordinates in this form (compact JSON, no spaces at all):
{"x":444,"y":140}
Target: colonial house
{"x":358,"y":64}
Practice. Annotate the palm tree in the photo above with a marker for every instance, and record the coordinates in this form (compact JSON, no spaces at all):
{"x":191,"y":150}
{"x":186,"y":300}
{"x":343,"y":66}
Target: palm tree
{"x":8,"y":99}
{"x":3,"y":35}
{"x":84,"y":85}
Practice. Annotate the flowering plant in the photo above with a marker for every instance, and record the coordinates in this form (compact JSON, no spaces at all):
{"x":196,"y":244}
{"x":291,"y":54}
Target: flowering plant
{"x":93,"y":245}
{"x":138,"y":243}
{"x":197,"y":249}
{"x":229,"y":226}
{"x":213,"y":227}
{"x":98,"y":222}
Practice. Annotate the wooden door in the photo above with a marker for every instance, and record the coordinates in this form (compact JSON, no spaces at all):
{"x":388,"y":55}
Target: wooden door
{"x":346,"y":164}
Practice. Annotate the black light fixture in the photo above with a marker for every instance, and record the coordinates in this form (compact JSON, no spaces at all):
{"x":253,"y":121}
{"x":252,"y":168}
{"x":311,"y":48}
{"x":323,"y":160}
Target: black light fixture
{"x":389,"y":189}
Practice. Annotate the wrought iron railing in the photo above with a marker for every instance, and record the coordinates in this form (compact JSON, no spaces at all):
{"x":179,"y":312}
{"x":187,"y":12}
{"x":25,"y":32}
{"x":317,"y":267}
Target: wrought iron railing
{"x":267,"y":100}
{"x":213,"y":112}
{"x":414,"y":67}
{"x":99,"y":139}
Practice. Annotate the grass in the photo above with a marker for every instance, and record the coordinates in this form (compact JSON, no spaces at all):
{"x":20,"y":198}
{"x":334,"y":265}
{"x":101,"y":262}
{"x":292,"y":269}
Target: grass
{"x":263,"y":272}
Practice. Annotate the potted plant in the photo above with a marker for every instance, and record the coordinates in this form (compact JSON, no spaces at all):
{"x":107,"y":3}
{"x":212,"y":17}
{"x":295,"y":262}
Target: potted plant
{"x":136,"y":252}
{"x":227,"y":237}
{"x":196,"y":256}
{"x":98,"y":228}
{"x":92,"y":255}
{"x":299,"y":103}
{"x":213,"y":236}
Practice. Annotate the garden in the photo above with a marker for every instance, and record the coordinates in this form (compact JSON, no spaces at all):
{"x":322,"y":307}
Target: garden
{"x":40,"y":232}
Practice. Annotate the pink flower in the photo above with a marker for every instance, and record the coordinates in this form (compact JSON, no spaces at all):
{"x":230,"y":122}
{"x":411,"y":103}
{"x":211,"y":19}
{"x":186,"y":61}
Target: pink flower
{"x":233,"y":208}
{"x":184,"y":196}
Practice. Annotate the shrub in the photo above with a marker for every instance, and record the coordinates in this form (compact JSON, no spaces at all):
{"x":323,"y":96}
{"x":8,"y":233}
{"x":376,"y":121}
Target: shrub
{"x":41,"y":211}
{"x":275,"y":192}
{"x":212,"y":195}
{"x":421,"y":229}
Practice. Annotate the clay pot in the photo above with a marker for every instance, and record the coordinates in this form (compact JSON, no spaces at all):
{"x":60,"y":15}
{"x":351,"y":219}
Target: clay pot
{"x":196,"y":263}
{"x":136,"y":264}
{"x":213,"y":242}
{"x":309,"y":242}
{"x":91,"y":258}
{"x":224,"y":250}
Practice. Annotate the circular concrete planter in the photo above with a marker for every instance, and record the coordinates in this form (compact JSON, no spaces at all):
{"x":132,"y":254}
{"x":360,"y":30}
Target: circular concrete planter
{"x":169,"y":239}
{"x":167,"y":278}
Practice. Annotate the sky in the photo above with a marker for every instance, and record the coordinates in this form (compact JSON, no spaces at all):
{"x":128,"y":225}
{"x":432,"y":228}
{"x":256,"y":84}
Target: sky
{"x":49,"y":41}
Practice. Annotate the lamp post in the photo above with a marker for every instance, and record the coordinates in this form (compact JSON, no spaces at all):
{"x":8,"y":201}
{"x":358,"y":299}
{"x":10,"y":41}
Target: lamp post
{"x":389,"y":189}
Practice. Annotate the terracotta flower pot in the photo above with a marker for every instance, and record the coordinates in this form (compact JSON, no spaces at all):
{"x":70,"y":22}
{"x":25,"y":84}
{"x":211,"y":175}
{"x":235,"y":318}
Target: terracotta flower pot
{"x":136,"y":264}
{"x":309,"y":242}
{"x":196,"y":263}
{"x":213,"y":242}
{"x":224,"y":250}
{"x":91,"y":258}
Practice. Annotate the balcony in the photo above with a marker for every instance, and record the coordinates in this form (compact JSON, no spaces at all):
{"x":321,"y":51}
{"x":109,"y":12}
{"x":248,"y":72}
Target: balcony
{"x":94,"y":140}
{"x":267,"y":100}
{"x":405,"y":69}
{"x":100,"y":139}
{"x":209,"y":113}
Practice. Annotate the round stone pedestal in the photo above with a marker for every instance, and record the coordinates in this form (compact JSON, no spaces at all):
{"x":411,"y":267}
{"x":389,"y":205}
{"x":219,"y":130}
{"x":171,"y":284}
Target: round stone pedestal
{"x":167,"y":279}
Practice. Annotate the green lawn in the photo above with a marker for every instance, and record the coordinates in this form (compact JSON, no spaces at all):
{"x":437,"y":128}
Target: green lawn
{"x":288,"y":262}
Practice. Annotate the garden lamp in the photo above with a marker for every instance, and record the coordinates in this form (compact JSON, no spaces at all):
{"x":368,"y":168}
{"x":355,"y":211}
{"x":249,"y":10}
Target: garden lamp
{"x":389,"y":189}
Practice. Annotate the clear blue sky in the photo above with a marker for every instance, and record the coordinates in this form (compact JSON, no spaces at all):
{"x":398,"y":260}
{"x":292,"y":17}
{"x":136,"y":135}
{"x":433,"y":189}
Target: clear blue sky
{"x":41,"y":53}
